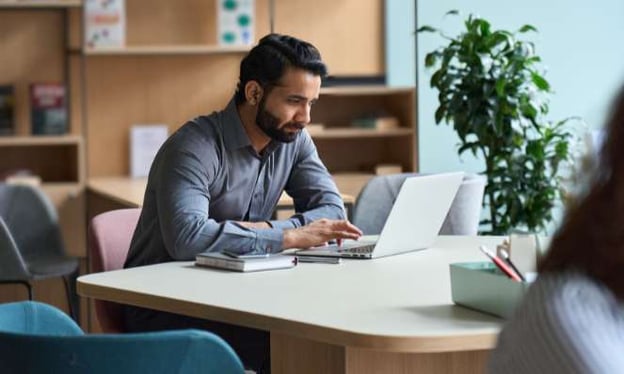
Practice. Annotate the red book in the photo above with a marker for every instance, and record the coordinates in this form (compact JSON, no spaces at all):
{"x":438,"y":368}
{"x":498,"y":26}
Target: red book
{"x":48,"y":108}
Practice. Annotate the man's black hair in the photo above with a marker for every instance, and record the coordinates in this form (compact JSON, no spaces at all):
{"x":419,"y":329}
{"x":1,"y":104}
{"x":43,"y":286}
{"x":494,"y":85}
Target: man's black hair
{"x":267,"y":62}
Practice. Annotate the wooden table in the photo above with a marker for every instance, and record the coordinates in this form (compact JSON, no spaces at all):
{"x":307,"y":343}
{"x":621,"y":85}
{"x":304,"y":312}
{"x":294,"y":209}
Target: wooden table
{"x":387,"y":315}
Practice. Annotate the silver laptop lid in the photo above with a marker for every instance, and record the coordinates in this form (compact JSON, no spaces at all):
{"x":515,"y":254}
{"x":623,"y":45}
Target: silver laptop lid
{"x":418,"y":213}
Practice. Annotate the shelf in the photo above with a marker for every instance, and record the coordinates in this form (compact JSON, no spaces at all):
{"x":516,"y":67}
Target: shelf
{"x":346,"y":132}
{"x":17,"y":4}
{"x":365,"y":90}
{"x":149,"y":50}
{"x":39,"y":140}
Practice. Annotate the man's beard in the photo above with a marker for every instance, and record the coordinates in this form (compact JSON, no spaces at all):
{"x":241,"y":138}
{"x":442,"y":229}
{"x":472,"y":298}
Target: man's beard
{"x":269,"y":124}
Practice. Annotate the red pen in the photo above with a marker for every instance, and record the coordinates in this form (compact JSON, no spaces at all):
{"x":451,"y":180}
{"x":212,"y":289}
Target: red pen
{"x":501,"y":264}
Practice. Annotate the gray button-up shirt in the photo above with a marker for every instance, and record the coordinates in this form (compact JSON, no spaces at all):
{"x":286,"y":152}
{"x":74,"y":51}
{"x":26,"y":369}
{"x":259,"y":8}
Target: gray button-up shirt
{"x":207,"y":175}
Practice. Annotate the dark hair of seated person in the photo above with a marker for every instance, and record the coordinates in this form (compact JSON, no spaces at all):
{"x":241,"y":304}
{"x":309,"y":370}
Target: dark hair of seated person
{"x":591,"y":238}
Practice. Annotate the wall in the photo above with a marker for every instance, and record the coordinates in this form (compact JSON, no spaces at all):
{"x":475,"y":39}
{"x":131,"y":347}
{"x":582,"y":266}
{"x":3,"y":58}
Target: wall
{"x":578,"y":41}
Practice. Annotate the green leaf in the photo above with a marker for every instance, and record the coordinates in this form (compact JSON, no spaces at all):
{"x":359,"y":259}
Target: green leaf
{"x":439,"y":114}
{"x":527,"y":28}
{"x":426,"y":28}
{"x":431,"y":59}
{"x":540,"y":82}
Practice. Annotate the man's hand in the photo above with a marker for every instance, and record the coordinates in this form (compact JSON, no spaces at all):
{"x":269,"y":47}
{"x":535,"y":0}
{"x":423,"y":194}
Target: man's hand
{"x":320,"y":232}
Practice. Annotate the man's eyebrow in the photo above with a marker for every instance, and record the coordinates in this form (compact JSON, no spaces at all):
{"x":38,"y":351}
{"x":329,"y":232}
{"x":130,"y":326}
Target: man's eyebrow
{"x":296,"y":96}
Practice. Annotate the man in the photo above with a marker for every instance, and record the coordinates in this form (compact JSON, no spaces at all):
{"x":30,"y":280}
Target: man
{"x":215,"y":182}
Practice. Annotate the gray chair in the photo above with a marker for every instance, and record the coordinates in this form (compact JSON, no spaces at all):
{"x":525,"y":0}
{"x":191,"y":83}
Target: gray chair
{"x":374,"y":202}
{"x":31,"y":246}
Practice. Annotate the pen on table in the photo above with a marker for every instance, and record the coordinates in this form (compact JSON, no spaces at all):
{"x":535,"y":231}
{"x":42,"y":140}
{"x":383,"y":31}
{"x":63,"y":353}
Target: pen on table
{"x":507,"y":259}
{"x":319,"y":259}
{"x":501,"y":264}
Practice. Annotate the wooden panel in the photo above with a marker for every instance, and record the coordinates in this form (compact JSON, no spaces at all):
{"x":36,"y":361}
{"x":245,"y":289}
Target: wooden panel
{"x":123,"y":91}
{"x":365,"y":361}
{"x":52,"y":163}
{"x":296,"y":355}
{"x":69,"y":200}
{"x":349,"y":33}
{"x":363,"y":154}
{"x":152,"y":22}
{"x":32,"y":51}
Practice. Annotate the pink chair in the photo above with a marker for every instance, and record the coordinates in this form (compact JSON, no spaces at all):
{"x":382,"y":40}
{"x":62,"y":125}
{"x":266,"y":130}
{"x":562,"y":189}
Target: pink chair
{"x":110,"y":234}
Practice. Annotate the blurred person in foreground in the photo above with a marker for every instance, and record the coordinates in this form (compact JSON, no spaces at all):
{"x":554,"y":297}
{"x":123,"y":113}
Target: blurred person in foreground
{"x":572,"y":318}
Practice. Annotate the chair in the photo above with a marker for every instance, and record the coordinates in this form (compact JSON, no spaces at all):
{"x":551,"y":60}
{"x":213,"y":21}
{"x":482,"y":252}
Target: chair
{"x":31,"y":246}
{"x":375,"y":200}
{"x":110,"y":234}
{"x":38,"y":338}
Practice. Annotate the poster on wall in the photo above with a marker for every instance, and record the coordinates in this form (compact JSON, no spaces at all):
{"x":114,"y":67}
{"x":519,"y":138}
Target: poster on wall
{"x":235,"y":22}
{"x":105,"y":23}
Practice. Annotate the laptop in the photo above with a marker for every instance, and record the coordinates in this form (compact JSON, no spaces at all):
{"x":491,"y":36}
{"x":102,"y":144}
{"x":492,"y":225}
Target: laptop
{"x":413,"y":223}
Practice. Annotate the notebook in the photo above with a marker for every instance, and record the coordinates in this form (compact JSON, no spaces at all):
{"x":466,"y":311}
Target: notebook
{"x":413,"y":223}
{"x":223,"y":261}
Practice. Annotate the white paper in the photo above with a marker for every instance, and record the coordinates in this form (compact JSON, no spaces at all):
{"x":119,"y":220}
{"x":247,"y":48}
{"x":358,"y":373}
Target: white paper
{"x":145,"y":141}
{"x":105,"y":23}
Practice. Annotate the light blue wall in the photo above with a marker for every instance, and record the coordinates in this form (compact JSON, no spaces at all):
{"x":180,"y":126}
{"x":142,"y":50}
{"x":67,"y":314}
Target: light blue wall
{"x":579,"y":42}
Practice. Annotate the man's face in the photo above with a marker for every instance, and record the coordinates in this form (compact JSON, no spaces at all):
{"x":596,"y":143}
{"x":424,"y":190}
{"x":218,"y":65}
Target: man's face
{"x":284,"y":110}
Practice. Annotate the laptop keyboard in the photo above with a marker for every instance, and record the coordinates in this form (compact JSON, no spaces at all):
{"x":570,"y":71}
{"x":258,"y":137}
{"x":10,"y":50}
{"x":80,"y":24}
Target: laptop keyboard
{"x":357,"y":248}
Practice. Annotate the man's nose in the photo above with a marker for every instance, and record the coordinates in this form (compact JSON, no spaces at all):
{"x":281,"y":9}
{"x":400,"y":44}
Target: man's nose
{"x":303,"y":114}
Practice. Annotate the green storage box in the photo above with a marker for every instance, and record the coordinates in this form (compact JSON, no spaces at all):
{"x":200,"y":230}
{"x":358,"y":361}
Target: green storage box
{"x":481,"y":286}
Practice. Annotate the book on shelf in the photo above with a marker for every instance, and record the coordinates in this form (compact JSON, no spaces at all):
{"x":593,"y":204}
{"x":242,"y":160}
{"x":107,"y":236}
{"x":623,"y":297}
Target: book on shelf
{"x":48,"y":108}
{"x":377,"y":123}
{"x":105,"y":23}
{"x":7,"y":110}
{"x":235,"y":22}
{"x":222,"y":261}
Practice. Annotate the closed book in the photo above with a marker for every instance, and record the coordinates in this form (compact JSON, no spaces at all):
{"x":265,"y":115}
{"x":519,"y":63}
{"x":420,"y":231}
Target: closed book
{"x":48,"y":109}
{"x":222,"y":261}
{"x":7,"y":109}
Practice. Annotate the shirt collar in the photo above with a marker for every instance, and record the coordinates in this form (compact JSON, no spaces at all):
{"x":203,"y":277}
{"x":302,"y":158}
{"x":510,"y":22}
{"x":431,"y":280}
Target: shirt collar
{"x":234,"y":134}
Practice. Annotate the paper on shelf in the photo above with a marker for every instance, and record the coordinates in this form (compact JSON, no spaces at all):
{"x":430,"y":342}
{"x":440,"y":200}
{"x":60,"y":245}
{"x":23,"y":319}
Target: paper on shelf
{"x":105,"y":23}
{"x":145,"y":140}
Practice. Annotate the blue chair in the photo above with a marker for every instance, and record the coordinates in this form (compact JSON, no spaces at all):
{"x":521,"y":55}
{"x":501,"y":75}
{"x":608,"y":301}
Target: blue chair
{"x":38,"y":338}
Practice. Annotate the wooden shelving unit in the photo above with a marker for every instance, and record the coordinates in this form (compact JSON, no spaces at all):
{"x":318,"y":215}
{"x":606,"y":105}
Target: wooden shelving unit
{"x":26,"y":4}
{"x":165,"y":50}
{"x":34,"y":44}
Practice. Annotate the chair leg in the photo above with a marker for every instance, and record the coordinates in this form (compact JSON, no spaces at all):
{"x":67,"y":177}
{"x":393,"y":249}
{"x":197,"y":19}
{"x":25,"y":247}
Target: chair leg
{"x":24,"y":283}
{"x":72,"y":296}
{"x":30,"y":290}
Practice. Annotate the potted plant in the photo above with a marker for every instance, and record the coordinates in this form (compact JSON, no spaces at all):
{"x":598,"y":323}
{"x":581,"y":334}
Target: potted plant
{"x":493,"y":94}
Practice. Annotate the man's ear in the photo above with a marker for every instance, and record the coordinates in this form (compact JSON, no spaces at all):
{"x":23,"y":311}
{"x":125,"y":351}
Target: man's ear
{"x":253,"y":92}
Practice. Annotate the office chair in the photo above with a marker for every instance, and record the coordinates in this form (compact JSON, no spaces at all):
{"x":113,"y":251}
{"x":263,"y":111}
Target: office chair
{"x":110,"y":234}
{"x":31,"y":246}
{"x":375,"y":201}
{"x":38,"y":338}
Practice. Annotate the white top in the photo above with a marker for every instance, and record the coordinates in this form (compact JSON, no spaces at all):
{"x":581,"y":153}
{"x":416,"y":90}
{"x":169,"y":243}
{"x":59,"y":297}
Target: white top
{"x":397,"y":303}
{"x":567,"y":323}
